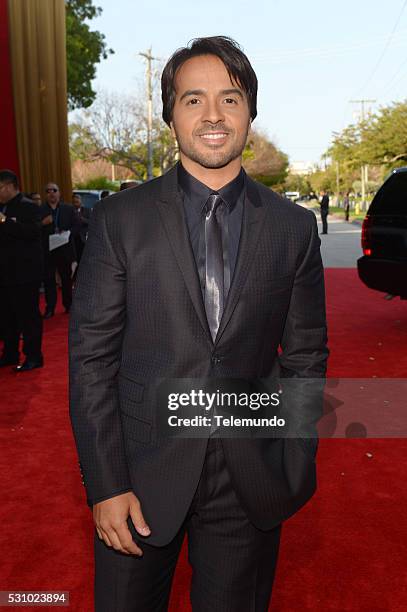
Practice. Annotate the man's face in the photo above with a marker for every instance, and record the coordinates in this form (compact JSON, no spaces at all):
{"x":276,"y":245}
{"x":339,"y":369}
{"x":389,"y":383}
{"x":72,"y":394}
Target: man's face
{"x":52,"y":193}
{"x":4,"y":192}
{"x":211,"y":117}
{"x":76,"y":201}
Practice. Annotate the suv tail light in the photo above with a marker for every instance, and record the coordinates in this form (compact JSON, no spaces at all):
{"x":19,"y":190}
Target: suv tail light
{"x":366,"y":243}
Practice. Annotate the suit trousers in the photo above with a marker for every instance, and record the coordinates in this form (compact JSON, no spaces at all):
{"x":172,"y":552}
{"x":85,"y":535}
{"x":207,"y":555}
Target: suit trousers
{"x":21,"y":315}
{"x":233,"y":563}
{"x":324,"y":219}
{"x":57,"y":261}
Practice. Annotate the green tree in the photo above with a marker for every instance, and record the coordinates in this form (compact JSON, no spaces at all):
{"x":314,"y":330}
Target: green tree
{"x":85,"y":48}
{"x":263,"y":161}
{"x":379,"y":140}
{"x":323,"y":179}
{"x":297,"y":182}
{"x":384,"y":137}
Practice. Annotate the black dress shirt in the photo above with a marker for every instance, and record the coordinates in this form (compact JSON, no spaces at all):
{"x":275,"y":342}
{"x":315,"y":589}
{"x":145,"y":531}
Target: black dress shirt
{"x":195,"y":195}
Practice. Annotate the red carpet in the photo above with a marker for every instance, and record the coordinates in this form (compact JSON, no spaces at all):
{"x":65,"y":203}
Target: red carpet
{"x":345,"y":551}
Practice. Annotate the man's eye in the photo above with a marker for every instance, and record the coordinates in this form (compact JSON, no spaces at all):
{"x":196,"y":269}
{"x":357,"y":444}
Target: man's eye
{"x":230,"y":101}
{"x":193,"y":101}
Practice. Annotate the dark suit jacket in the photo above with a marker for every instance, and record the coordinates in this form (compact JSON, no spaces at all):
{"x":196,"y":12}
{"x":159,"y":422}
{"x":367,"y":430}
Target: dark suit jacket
{"x":20,"y":243}
{"x":138,"y":315}
{"x":68,"y":220}
{"x":324,"y":204}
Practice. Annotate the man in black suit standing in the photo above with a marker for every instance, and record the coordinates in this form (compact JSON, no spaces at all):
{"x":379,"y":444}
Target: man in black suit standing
{"x":20,"y":275}
{"x":324,"y":204}
{"x":57,"y":218}
{"x":81,"y":231}
{"x":199,"y":274}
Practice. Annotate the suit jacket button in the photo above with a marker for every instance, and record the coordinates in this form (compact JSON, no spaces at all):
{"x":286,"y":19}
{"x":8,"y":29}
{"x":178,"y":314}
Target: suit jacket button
{"x":216,"y":359}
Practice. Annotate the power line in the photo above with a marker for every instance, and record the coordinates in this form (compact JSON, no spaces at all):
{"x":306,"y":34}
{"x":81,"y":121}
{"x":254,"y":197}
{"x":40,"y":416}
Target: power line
{"x":275,"y":56}
{"x":394,"y":79}
{"x":386,"y":46}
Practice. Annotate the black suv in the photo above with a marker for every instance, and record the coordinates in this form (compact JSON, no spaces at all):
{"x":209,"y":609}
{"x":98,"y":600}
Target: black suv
{"x":384,"y":238}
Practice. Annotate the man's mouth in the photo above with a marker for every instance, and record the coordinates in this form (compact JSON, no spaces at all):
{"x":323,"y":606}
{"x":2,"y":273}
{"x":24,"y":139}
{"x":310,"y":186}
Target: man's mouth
{"x":214,"y":136}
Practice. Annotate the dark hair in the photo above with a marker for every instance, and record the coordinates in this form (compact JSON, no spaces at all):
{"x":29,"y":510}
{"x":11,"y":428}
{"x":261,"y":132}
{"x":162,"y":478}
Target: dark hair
{"x":8,"y":176}
{"x":228,"y":51}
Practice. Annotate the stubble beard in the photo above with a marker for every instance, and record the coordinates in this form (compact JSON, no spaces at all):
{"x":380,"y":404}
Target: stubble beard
{"x":212,"y":159}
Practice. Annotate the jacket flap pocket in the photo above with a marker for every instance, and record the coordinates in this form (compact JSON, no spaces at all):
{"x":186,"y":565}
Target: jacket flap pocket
{"x":129,"y":388}
{"x":135,"y":428}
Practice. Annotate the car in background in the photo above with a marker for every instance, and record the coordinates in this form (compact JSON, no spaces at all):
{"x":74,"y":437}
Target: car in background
{"x":292,"y":195}
{"x":89,"y":197}
{"x":383,"y":265}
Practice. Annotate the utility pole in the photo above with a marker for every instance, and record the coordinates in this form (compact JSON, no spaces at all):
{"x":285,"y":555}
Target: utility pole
{"x":337,"y":180}
{"x":364,"y":168}
{"x":147,"y":55}
{"x":362,"y":106}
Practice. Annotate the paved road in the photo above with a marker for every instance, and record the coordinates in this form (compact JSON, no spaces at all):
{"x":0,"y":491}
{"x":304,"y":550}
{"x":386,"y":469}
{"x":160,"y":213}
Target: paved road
{"x":340,"y":248}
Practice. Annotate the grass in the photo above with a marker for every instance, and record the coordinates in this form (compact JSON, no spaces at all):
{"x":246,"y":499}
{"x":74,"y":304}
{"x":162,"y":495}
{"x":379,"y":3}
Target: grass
{"x":338,"y":211}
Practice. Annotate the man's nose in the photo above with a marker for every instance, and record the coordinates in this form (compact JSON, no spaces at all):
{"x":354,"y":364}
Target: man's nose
{"x":213,"y":112}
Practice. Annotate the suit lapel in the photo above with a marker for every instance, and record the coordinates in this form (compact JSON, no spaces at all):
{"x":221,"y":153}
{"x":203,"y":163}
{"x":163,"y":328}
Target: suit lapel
{"x":171,"y":210}
{"x":252,"y":225}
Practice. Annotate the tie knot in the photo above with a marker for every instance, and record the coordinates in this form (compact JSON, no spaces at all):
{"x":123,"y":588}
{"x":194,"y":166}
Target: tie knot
{"x":213,"y":203}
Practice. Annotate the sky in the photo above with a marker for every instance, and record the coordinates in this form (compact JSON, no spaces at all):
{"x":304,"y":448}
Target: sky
{"x":311,"y":58}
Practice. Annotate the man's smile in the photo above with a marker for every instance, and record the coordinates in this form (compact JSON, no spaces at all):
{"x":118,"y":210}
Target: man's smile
{"x":214,"y":137}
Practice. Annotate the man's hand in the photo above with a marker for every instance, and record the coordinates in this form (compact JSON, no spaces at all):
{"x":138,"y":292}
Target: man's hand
{"x":110,"y":517}
{"x":47,"y":220}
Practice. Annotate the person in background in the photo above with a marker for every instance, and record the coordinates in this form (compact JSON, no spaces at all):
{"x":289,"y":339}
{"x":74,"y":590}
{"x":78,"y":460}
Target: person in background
{"x":20,"y":275}
{"x":81,"y":230}
{"x":128,"y":185}
{"x":35,"y":197}
{"x":346,"y":205}
{"x":324,"y":204}
{"x":57,"y":217}
{"x":104,"y":194}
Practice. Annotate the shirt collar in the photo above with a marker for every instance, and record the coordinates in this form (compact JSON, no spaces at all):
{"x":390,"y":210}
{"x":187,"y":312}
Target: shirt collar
{"x":198,"y":193}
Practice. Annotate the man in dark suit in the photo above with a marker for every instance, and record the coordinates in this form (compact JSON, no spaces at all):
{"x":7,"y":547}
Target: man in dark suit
{"x":324,"y":204}
{"x":57,"y":217}
{"x":199,"y":274}
{"x":81,"y":230}
{"x":20,"y":275}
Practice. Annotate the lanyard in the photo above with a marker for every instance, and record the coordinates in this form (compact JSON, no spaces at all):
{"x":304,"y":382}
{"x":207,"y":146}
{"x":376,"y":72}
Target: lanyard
{"x":56,"y":219}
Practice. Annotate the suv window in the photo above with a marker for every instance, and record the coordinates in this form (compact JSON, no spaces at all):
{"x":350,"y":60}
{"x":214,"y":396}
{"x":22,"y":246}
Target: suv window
{"x":391,"y":199}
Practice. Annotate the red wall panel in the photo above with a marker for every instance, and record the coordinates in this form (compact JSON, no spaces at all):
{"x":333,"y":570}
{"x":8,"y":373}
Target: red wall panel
{"x":8,"y":143}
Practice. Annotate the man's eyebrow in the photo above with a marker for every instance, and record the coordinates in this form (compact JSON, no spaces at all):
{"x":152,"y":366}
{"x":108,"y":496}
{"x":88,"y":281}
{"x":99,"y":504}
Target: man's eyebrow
{"x":192,"y":92}
{"x":201,"y":92}
{"x":234,"y":90}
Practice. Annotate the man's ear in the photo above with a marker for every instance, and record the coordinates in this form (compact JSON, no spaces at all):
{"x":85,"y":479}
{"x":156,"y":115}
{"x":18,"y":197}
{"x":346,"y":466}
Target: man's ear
{"x":172,"y":129}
